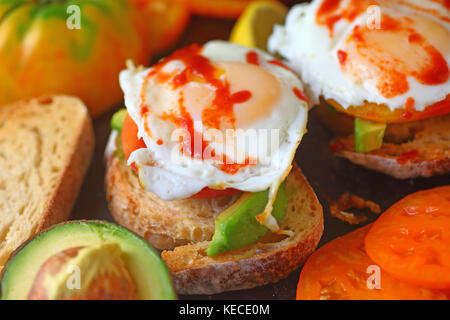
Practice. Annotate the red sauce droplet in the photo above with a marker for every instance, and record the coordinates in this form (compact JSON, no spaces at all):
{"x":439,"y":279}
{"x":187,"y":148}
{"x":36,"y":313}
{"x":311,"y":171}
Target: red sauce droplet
{"x":336,"y":146}
{"x":409,"y":108}
{"x":447,"y":4}
{"x":299,"y":94}
{"x":241,"y":96}
{"x":279,"y":64}
{"x":252,"y":58}
{"x":407,"y":156}
{"x":342,"y":56}
{"x":233,"y":168}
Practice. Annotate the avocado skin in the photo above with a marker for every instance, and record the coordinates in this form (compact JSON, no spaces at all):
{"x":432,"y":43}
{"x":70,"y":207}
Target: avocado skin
{"x":368,"y":135}
{"x":118,"y":119}
{"x":238,"y":227}
{"x":146,"y":267}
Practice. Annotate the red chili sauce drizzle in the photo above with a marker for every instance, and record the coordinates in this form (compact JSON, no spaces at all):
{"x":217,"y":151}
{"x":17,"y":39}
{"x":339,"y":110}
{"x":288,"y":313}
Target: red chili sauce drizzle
{"x":220,"y":110}
{"x":299,"y":94}
{"x":367,"y":47}
{"x":407,"y":156}
{"x":280,"y":64}
{"x":252,"y":58}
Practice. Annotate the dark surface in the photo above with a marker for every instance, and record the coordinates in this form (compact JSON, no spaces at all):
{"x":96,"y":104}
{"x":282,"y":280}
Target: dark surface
{"x":327,"y":174}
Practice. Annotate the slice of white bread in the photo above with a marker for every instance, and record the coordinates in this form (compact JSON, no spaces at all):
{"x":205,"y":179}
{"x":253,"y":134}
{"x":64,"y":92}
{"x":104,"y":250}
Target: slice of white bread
{"x":272,"y":258}
{"x":46,"y":146}
{"x":430,"y":142}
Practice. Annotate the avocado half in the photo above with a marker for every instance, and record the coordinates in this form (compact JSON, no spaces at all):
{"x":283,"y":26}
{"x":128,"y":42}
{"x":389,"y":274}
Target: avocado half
{"x":150,"y":274}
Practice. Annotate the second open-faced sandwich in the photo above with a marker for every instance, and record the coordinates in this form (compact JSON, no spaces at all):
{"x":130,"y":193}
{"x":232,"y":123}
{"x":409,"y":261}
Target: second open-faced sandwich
{"x":201,"y":164}
{"x":379,"y":71}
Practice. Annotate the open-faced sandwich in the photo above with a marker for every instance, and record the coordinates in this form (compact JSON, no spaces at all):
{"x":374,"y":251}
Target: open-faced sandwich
{"x":379,"y":71}
{"x":201,"y":164}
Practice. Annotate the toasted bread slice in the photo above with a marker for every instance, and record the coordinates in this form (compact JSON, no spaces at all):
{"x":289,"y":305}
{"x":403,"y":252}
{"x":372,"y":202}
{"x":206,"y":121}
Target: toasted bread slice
{"x":429,"y":150}
{"x":46,"y":148}
{"x":162,"y":222}
{"x":165,"y":224}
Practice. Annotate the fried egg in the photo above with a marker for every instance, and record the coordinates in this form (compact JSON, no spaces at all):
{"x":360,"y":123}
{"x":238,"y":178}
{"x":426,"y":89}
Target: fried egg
{"x":393,"y":53}
{"x":219,"y":116}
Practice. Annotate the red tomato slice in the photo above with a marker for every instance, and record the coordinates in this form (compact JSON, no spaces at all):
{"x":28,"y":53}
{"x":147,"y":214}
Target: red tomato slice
{"x":411,"y":240}
{"x":208,"y":193}
{"x":339,"y":271}
{"x":130,"y":142}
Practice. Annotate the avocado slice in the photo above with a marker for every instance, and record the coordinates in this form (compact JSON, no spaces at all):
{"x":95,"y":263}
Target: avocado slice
{"x":118,"y":119}
{"x":149,"y":272}
{"x":368,"y":135}
{"x":237,"y":226}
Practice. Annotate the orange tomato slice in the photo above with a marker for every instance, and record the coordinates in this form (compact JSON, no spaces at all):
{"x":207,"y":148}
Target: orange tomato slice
{"x":167,"y":19}
{"x":339,"y":271}
{"x":411,"y":240}
{"x":382,"y":114}
{"x":230,"y":9}
{"x":129,"y":139}
{"x":130,"y":142}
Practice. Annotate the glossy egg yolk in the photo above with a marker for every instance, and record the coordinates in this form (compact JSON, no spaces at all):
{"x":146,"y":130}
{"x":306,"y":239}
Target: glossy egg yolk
{"x":254,"y":92}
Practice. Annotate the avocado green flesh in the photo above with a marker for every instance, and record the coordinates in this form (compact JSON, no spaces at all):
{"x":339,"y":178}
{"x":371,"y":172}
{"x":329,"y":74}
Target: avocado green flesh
{"x":237,"y":226}
{"x":118,"y":119}
{"x":368,"y":135}
{"x":150,"y":274}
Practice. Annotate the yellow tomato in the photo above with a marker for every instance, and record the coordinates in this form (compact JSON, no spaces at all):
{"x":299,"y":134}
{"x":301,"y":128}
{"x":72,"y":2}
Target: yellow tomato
{"x":42,"y":50}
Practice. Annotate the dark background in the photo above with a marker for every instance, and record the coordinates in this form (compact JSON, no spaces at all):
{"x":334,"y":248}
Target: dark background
{"x":327,"y":174}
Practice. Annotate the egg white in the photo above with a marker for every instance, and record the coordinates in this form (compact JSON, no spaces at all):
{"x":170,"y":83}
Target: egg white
{"x":186,"y":176}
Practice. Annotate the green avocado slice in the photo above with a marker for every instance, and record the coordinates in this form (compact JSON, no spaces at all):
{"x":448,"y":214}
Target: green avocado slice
{"x":147,"y":269}
{"x":118,"y":119}
{"x":368,"y":135}
{"x":237,"y":226}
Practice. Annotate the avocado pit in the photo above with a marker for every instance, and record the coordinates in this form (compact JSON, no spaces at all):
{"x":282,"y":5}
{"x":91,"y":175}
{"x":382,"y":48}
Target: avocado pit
{"x":84,"y":273}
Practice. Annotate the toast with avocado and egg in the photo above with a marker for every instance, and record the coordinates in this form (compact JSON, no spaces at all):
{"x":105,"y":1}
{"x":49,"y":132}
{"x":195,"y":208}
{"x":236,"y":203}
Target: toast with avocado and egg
{"x":172,"y":175}
{"x":46,"y":148}
{"x":384,"y":89}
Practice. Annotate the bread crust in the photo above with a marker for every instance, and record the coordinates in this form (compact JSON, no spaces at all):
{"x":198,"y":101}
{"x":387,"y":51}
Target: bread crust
{"x":63,"y":199}
{"x":233,"y":271}
{"x":255,"y":265}
{"x":69,"y":169}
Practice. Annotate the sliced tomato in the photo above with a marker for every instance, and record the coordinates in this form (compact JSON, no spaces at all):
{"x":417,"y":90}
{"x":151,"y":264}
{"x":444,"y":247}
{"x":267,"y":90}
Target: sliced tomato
{"x":341,"y":270}
{"x":411,"y":240}
{"x":130,"y":142}
{"x":208,"y":193}
{"x":129,"y":137}
{"x":382,"y":114}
